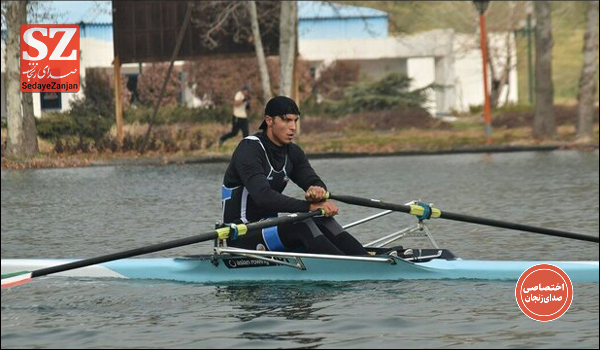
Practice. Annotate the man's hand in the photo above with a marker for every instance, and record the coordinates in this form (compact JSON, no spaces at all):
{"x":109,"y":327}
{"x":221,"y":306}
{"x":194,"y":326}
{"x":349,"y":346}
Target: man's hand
{"x":329,"y":207}
{"x":315,"y":194}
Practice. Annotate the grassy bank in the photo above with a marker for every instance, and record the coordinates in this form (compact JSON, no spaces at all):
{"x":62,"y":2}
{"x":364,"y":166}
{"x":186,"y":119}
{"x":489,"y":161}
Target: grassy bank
{"x":464,"y":134}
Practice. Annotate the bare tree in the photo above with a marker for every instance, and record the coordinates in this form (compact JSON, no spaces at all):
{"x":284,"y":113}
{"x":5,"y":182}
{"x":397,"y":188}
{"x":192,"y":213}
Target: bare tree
{"x":543,"y":123}
{"x":260,"y":53}
{"x":500,"y":76}
{"x":587,"y":79}
{"x":22,"y":134}
{"x":228,"y":18}
{"x":240,"y":21}
{"x":288,"y":23}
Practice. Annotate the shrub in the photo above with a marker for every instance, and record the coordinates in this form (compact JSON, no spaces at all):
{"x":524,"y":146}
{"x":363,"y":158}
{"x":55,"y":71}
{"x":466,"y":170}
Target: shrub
{"x":383,"y":120}
{"x":522,"y":116}
{"x":173,"y":114}
{"x":56,"y":125}
{"x":392,"y":91}
{"x":172,"y":138}
{"x":98,"y":92}
{"x":150,"y":82}
{"x":90,"y":117}
{"x":94,"y":114}
{"x":335,"y":78}
{"x":92,"y":120}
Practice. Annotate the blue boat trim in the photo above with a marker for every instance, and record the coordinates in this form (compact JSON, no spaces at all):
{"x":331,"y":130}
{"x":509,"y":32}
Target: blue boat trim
{"x":213,"y":269}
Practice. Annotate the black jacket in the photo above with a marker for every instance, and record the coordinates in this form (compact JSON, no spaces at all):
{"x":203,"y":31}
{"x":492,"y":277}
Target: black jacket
{"x":255,"y":179}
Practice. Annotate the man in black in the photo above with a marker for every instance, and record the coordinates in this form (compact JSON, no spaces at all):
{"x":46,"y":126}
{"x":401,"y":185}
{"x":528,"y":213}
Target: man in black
{"x":239,"y":120}
{"x":260,"y":168}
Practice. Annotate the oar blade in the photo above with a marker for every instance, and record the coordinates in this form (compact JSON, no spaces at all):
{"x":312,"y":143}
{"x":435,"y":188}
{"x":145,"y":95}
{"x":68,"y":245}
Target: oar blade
{"x":15,"y":279}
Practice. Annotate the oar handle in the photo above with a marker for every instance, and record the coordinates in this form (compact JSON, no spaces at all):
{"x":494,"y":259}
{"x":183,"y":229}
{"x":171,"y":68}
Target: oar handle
{"x":203,"y":237}
{"x":410,"y":209}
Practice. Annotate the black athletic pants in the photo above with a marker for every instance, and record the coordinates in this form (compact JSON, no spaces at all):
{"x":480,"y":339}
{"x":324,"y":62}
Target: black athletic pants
{"x":236,"y":125}
{"x":316,"y":235}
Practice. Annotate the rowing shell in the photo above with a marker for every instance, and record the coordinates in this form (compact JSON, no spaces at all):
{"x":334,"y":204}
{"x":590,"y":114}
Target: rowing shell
{"x":274,"y":266}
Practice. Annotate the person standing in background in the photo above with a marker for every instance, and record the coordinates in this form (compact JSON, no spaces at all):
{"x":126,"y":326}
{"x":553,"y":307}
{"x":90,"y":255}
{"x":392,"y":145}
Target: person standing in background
{"x":239,"y":120}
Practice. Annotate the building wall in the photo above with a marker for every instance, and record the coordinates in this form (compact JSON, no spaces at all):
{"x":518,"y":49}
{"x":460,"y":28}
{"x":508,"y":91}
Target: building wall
{"x":378,"y":69}
{"x":422,"y":71}
{"x":427,"y":44}
{"x":469,"y":70}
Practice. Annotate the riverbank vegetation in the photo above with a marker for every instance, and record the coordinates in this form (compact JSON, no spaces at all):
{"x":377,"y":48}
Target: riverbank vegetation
{"x":373,"y":132}
{"x":344,"y":113}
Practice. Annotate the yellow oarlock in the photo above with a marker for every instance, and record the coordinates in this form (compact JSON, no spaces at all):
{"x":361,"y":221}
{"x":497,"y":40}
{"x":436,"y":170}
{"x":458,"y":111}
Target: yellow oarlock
{"x":223,"y":232}
{"x":418,"y":210}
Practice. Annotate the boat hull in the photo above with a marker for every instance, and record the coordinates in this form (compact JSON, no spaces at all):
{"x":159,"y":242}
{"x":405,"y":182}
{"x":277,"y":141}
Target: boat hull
{"x":239,"y":269}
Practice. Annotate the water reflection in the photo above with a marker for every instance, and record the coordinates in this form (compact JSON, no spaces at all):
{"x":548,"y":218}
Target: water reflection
{"x":290,"y":302}
{"x":264,"y":308}
{"x":307,"y":340}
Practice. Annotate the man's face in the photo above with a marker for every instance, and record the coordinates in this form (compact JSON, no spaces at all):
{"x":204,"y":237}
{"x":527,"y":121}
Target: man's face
{"x":281,"y":130}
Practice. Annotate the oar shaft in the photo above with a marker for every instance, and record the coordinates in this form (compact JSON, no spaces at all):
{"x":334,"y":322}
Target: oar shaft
{"x":375,"y":203}
{"x":372,"y":203}
{"x":126,"y":254}
{"x":516,"y":226}
{"x":203,"y":237}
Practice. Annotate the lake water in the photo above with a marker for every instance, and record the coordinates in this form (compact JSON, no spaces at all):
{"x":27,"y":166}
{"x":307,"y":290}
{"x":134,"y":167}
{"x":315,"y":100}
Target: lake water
{"x":85,"y":212}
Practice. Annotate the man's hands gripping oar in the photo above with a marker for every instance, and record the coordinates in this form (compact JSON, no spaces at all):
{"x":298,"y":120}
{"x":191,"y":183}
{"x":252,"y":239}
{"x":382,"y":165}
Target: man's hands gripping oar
{"x":424,"y":211}
{"x":19,"y":278}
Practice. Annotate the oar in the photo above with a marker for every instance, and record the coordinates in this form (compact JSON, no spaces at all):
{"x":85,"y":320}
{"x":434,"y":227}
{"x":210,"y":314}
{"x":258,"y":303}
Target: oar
{"x":18,"y":278}
{"x":419,"y":210}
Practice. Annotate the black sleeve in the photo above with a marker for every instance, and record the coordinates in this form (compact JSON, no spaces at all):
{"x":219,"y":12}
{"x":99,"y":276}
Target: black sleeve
{"x":249,"y":160}
{"x":303,"y":175}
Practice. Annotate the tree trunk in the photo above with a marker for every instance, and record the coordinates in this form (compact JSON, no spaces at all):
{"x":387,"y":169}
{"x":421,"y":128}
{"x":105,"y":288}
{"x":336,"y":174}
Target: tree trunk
{"x":260,"y":53}
{"x":22,"y":135}
{"x":498,"y":83}
{"x":495,"y":82}
{"x":287,"y":45}
{"x":543,"y":122}
{"x":587,"y":80}
{"x":29,"y":129}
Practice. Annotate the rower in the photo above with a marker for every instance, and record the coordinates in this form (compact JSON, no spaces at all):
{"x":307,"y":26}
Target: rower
{"x":260,"y":168}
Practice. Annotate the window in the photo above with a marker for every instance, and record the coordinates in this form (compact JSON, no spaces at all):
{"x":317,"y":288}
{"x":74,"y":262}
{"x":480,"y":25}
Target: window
{"x":50,"y":100}
{"x":132,"y":81}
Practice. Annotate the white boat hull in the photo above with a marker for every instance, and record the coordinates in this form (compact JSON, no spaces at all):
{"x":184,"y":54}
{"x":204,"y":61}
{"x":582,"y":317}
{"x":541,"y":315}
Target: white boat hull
{"x":236,"y":269}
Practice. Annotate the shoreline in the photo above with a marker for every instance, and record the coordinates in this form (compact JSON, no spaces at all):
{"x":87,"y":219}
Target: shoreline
{"x":156,"y":160}
{"x":166,"y":160}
